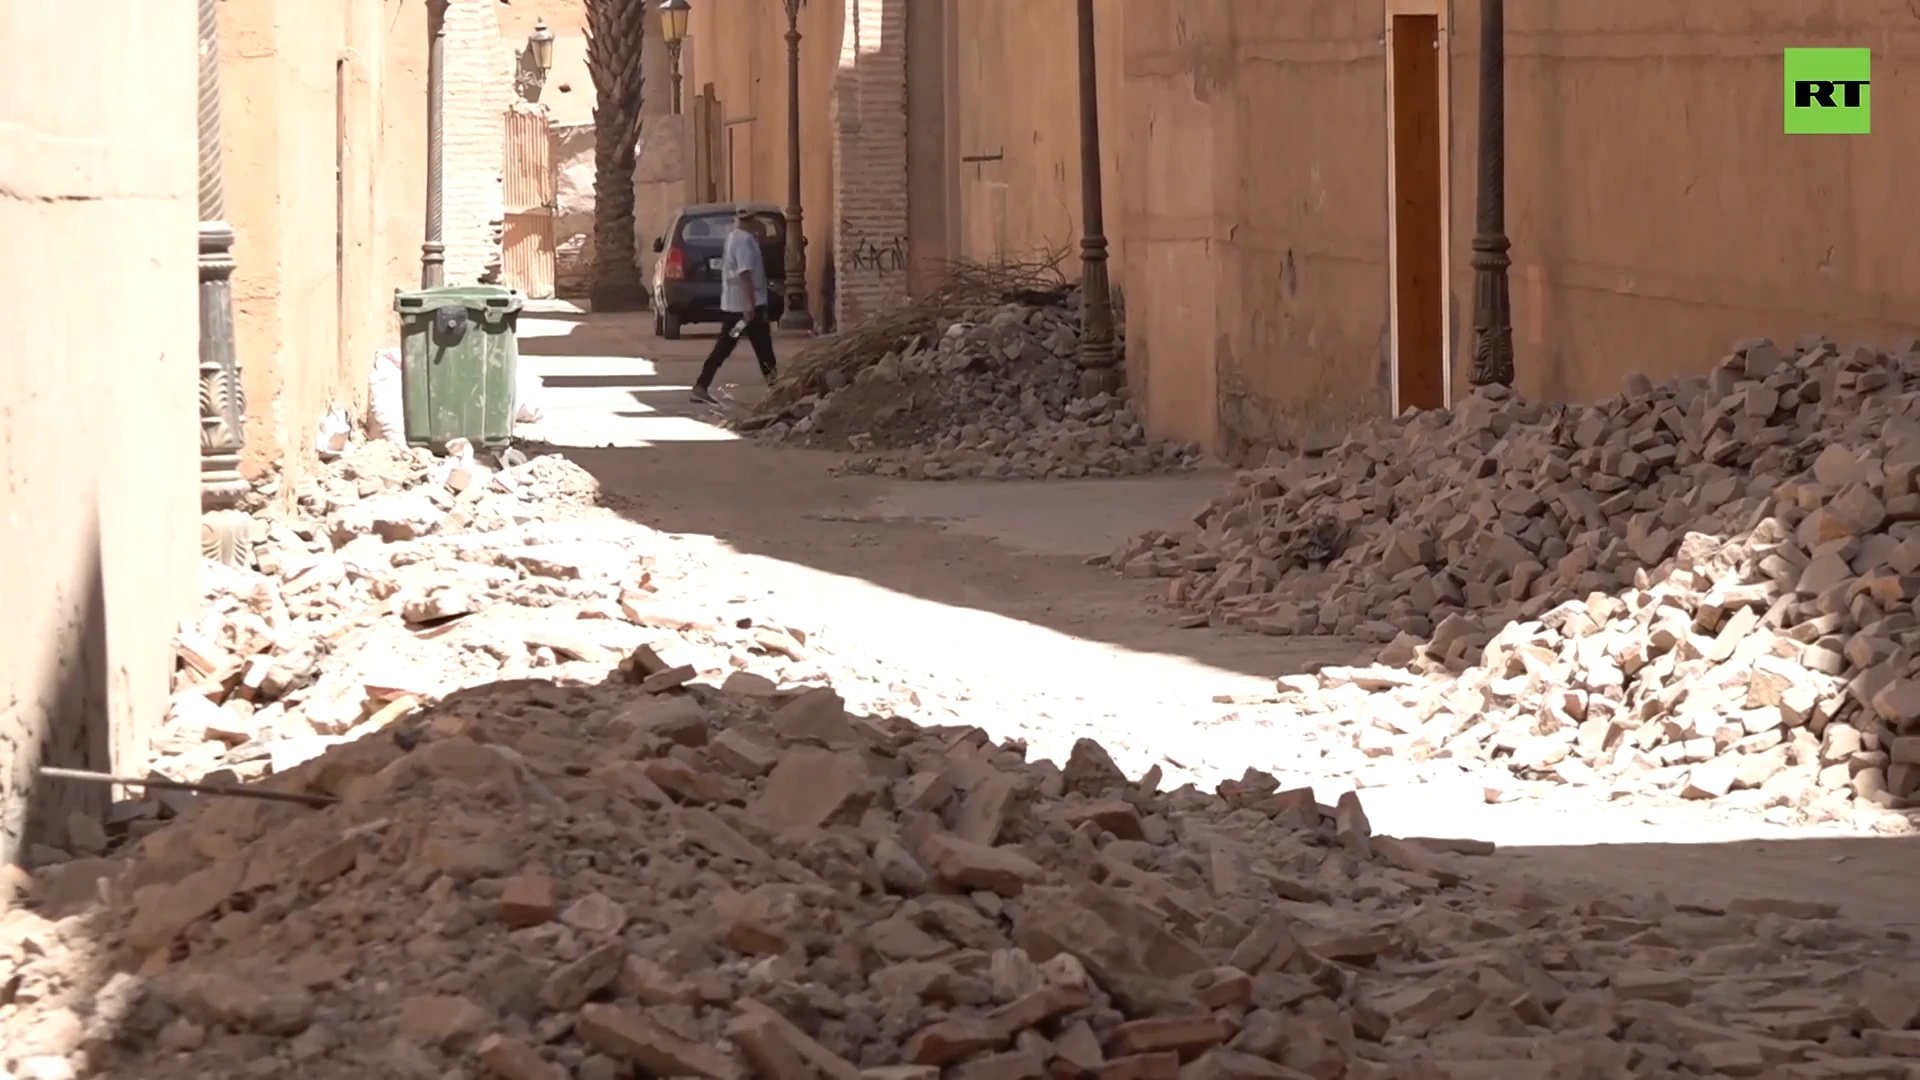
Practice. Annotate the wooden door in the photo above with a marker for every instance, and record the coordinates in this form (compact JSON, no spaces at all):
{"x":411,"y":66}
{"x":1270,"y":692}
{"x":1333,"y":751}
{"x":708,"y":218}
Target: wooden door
{"x":1419,"y":212}
{"x":708,"y":140}
{"x":527,"y":254}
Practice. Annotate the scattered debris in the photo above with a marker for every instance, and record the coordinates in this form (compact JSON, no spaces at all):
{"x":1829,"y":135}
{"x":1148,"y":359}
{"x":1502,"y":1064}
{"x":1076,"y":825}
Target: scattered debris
{"x":829,"y":362}
{"x":991,"y":392}
{"x":1706,"y":588}
{"x":578,"y":881}
{"x":564,"y":833}
{"x":398,"y":578}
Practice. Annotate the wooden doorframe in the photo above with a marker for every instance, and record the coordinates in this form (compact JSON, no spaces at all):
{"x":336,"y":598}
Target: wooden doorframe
{"x":1440,"y":10}
{"x":738,"y":190}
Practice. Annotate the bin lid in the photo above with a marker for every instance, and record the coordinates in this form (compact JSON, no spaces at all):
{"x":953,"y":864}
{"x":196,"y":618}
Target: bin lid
{"x":496,"y":299}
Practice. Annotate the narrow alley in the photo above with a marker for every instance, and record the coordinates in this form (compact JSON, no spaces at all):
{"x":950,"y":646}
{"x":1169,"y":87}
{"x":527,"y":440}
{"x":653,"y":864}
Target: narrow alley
{"x":978,"y":596}
{"x":969,"y":609}
{"x":571,"y":699}
{"x":1211,"y":592}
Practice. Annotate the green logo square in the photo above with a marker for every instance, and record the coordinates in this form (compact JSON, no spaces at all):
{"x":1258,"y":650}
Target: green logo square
{"x":1827,"y":92}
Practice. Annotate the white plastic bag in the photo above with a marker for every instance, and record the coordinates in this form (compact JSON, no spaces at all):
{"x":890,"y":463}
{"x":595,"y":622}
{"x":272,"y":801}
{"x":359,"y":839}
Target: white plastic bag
{"x":526,"y":398}
{"x":332,"y":434}
{"x":386,"y":410}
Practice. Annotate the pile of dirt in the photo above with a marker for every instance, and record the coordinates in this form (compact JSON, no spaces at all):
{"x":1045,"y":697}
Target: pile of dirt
{"x":649,"y":878}
{"x":993,"y":394}
{"x":1709,"y":587}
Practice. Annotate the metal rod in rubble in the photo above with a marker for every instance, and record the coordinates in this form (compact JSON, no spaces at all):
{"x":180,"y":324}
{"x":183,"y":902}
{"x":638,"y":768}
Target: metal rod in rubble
{"x":156,"y":783}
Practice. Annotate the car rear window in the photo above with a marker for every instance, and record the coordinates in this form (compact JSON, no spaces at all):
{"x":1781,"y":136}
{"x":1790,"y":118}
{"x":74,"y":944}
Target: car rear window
{"x":713,"y":228}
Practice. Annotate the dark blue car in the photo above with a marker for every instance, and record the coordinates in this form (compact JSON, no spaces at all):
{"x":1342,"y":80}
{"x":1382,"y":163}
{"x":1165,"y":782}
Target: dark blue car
{"x":686,"y":277}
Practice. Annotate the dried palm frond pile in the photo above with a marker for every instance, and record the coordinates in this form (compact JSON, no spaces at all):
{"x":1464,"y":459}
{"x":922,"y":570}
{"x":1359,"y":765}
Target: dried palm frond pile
{"x":964,"y":287}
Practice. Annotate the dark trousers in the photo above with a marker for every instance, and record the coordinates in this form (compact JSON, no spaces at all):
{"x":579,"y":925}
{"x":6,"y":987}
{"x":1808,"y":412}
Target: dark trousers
{"x":758,"y":334}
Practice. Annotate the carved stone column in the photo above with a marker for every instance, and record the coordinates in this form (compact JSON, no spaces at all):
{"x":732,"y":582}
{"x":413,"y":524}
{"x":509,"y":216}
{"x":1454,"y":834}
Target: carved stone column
{"x":225,"y":530}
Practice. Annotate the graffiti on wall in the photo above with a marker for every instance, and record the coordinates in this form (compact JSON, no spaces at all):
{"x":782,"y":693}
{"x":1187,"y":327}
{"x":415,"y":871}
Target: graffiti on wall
{"x":887,"y":256}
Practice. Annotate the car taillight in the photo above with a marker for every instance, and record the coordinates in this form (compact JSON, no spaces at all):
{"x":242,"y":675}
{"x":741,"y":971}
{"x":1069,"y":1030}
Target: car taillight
{"x":676,"y":263}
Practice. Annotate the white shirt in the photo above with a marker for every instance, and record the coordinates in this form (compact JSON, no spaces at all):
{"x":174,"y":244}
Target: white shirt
{"x":742,"y":254}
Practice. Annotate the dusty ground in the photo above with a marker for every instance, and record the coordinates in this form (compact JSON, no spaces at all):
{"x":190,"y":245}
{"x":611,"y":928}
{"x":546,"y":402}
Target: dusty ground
{"x":975,"y":596}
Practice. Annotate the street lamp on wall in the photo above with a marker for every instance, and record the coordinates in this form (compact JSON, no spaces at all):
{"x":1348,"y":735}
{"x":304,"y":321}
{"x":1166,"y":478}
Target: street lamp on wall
{"x":795,"y":317}
{"x":536,"y":61}
{"x":673,"y":31}
{"x":540,"y":45}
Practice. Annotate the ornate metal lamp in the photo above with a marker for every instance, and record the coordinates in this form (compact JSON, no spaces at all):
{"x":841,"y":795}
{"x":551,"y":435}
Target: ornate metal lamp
{"x":673,"y":31}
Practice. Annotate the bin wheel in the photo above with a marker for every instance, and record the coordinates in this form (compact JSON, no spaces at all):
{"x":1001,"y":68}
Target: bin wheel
{"x":670,"y":326}
{"x":511,"y":457}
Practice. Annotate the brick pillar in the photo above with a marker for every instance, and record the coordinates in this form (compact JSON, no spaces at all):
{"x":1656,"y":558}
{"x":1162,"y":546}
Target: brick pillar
{"x":479,"y":88}
{"x":870,"y":160}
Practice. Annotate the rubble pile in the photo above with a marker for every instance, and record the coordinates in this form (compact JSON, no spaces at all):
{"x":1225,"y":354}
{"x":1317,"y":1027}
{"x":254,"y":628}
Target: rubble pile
{"x":399,"y":579}
{"x":1707,"y":587}
{"x":996,"y":396}
{"x":649,"y":878}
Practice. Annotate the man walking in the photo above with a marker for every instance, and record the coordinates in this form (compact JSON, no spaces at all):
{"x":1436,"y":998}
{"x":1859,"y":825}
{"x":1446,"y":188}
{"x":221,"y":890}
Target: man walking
{"x":743,"y":307}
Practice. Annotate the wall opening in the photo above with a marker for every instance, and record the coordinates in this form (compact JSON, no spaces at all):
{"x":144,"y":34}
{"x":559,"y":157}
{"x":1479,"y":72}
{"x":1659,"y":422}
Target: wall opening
{"x":739,"y":163}
{"x":1416,"y":166}
{"x":706,"y":147}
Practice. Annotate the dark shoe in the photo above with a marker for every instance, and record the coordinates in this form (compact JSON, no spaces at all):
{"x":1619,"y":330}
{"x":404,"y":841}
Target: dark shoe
{"x":702,"y":396}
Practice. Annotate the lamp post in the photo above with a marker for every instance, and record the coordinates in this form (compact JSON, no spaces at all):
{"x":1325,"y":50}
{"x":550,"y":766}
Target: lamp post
{"x":540,"y":46}
{"x":673,"y":31}
{"x":535,"y":62}
{"x":1492,"y":304}
{"x":795,"y":317}
{"x":225,"y":531}
{"x":1098,"y":372}
{"x":433,"y":253}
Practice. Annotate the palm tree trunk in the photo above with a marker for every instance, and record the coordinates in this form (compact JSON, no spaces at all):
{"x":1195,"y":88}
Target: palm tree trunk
{"x":616,"y":30}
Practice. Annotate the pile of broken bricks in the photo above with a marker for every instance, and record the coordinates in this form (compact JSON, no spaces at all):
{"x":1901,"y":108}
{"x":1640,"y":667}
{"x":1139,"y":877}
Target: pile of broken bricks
{"x":536,"y":881}
{"x":395,"y":578}
{"x":392,"y":578}
{"x":1707,"y":588}
{"x":995,"y":395}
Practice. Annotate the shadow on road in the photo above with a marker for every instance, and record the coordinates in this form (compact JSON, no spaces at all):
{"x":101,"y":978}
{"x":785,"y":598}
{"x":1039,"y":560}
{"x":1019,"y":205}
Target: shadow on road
{"x":1867,"y":879}
{"x":1016,"y":550}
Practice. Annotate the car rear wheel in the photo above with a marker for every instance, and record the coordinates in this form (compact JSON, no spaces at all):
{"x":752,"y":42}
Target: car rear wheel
{"x":670,"y":326}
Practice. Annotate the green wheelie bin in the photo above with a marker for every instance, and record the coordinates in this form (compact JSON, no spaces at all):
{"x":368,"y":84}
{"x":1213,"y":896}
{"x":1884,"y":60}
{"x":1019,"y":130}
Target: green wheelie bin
{"x":459,"y":348}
